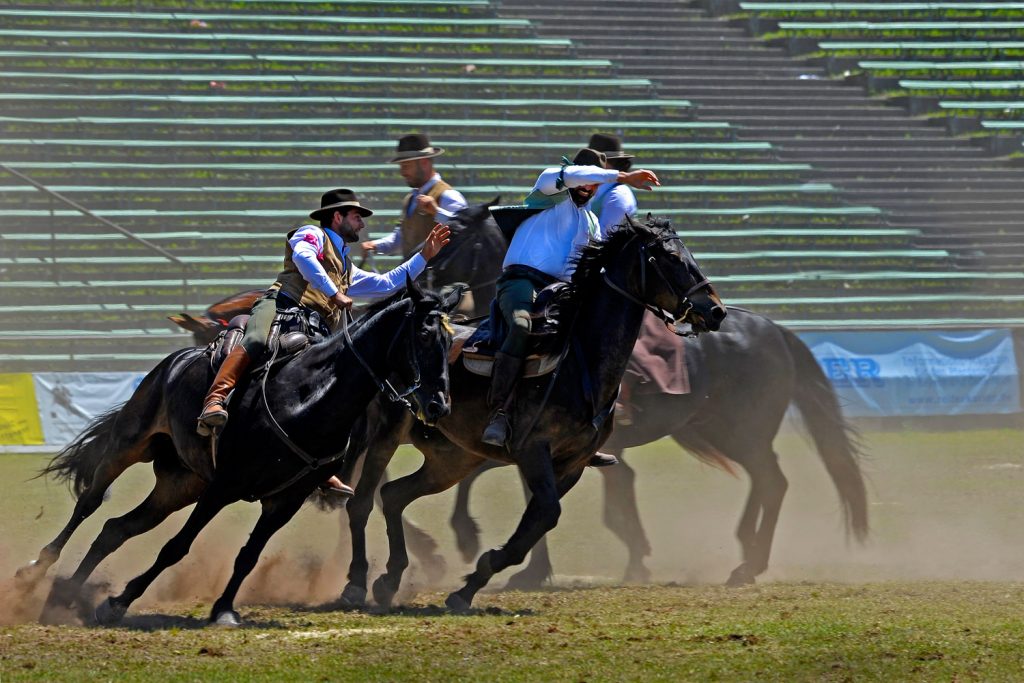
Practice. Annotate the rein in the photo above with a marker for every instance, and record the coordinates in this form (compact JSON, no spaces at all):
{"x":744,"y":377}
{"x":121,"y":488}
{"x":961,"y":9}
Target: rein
{"x":658,"y":312}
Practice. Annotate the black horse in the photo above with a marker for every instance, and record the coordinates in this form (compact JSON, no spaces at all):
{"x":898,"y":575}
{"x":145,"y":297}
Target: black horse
{"x":285,"y":436}
{"x":743,"y":379}
{"x":560,"y":419}
{"x":473,"y":257}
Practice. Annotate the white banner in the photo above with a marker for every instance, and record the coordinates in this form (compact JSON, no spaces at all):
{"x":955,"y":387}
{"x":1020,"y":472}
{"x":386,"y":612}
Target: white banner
{"x":68,"y":401}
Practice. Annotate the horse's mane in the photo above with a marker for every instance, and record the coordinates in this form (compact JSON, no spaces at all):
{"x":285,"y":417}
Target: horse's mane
{"x":471,"y":223}
{"x":597,"y":254}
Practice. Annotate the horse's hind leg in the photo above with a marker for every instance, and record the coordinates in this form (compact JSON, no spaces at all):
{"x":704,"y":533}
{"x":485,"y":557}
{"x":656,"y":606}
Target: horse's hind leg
{"x":622,"y":517}
{"x":210,"y":503}
{"x":440,"y":470}
{"x":276,"y":513}
{"x":756,"y":530}
{"x":109,"y":468}
{"x":175,"y":488}
{"x":467,"y":533}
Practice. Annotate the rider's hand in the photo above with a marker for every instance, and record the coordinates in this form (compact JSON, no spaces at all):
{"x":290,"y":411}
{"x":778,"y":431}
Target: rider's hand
{"x":641,"y":179}
{"x":341,"y":301}
{"x":438,"y":237}
{"x":426,"y":204}
{"x":369,"y":245}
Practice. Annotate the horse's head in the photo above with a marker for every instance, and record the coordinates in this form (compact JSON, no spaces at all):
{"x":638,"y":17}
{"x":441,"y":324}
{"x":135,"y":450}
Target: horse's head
{"x":420,"y":356}
{"x":648,"y":263}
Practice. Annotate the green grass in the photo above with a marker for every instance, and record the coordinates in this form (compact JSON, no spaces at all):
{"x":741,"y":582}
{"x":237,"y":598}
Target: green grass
{"x":933,"y":596}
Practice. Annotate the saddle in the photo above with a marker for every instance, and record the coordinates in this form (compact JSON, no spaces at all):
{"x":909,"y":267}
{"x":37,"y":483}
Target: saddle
{"x":546,"y":335}
{"x":293,"y":330}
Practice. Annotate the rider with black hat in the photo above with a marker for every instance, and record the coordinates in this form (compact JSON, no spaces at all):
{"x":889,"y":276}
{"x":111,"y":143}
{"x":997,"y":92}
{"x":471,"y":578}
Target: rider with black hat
{"x":550,"y":230}
{"x":612,"y":202}
{"x":431,"y":201}
{"x":318,"y":275}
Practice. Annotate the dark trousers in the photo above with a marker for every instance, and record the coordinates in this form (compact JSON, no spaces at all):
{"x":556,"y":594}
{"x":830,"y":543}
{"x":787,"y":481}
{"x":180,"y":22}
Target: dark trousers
{"x":517,"y":290}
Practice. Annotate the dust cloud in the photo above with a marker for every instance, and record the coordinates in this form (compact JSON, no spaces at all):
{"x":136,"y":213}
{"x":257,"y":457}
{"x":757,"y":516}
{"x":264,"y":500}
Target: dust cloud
{"x":943,"y":505}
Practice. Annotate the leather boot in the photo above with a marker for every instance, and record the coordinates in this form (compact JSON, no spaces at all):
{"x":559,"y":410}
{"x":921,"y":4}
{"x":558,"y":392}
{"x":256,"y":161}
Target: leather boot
{"x":214,"y":415}
{"x":504,"y":377}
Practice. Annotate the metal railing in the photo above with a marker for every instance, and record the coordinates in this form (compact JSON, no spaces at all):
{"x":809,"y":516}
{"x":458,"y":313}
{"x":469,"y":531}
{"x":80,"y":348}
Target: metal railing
{"x":91,"y":214}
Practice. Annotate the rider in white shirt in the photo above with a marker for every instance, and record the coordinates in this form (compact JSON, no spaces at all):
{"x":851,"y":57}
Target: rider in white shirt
{"x":553,"y":227}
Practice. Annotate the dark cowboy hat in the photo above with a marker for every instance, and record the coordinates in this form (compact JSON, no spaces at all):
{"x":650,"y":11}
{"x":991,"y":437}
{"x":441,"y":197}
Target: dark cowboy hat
{"x":610,"y":144}
{"x":339,"y":199}
{"x":589,"y":157}
{"x":415,"y":146}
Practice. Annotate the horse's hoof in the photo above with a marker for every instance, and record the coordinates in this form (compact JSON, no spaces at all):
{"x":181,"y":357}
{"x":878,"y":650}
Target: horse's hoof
{"x":229,"y":618}
{"x":31,"y":572}
{"x":456,"y":603}
{"x":353,"y":596}
{"x":109,"y":613}
{"x":382,"y":594}
{"x":741,"y":576}
{"x":637,"y":575}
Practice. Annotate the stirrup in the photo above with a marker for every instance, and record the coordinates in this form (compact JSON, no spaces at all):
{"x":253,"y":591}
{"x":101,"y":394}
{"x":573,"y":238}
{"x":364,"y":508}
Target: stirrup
{"x":496,"y":431}
{"x":344,"y":491}
{"x":600,"y":459}
{"x":211,"y":420}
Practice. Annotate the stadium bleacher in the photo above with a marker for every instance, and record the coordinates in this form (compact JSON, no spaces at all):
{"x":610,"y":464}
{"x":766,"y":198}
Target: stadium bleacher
{"x":210,"y":128}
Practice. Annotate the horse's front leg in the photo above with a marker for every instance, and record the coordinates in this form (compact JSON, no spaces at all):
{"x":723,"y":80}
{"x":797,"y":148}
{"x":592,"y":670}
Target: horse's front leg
{"x":441,"y":469}
{"x":540,"y":517}
{"x":275,"y":514}
{"x":379,"y":453}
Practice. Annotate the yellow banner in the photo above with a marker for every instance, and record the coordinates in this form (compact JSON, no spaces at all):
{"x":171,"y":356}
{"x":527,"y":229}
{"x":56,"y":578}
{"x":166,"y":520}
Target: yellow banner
{"x":19,"y":414}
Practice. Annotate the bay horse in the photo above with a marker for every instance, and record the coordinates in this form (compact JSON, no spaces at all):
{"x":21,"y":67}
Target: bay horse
{"x":743,"y":379}
{"x":288,"y":432}
{"x":560,"y":420}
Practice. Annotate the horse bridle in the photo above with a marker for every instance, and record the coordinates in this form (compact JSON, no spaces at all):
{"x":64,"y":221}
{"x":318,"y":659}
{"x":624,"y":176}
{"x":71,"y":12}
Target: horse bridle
{"x":684,"y":299}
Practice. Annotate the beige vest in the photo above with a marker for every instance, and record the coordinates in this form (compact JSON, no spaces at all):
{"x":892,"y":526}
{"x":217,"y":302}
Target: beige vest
{"x":291,"y":282}
{"x":416,"y":227}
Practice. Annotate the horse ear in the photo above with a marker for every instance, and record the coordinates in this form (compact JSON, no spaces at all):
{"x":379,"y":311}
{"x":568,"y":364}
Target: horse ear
{"x":452,"y":299}
{"x":415,"y":293}
{"x":493,"y":202}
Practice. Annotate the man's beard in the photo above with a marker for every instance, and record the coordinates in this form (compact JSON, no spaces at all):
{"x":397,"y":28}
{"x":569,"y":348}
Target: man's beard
{"x":580,"y":196}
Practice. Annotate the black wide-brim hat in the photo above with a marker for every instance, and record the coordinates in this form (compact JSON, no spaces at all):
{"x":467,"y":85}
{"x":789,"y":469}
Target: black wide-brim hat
{"x":332,"y":200}
{"x":610,"y":144}
{"x":415,"y":146}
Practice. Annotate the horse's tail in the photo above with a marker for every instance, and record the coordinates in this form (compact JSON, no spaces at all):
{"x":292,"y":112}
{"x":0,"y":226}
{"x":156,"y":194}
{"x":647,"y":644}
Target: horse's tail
{"x":79,"y":460}
{"x":836,"y":440}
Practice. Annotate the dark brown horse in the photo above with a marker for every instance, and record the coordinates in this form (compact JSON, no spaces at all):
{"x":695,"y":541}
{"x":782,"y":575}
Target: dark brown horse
{"x":743,"y":379}
{"x":316,"y":398}
{"x":559,"y":421}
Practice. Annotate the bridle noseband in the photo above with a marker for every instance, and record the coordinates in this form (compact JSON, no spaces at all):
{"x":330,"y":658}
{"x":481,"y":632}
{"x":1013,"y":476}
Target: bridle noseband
{"x":684,"y":299}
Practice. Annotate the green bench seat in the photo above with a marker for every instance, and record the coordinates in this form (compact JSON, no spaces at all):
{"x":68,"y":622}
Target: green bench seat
{"x":215,"y":18}
{"x":877,"y":26}
{"x":308,"y":61}
{"x":338,"y":80}
{"x":883,"y":6}
{"x":370,"y":44}
{"x":921,"y":45}
{"x":357,"y":169}
{"x":941,"y":66}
